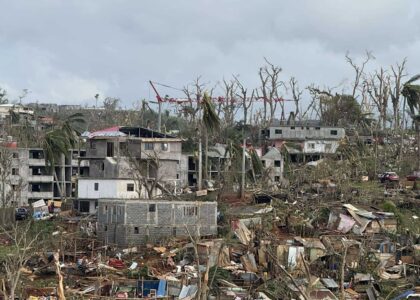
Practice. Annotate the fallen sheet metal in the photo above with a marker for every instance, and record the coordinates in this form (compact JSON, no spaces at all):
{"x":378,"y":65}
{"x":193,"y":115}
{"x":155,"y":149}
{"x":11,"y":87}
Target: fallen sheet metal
{"x":249,"y":263}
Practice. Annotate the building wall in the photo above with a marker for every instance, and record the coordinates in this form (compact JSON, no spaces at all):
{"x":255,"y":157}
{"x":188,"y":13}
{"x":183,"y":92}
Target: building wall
{"x":304,"y":132}
{"x":36,"y":179}
{"x":133,"y":222}
{"x":276,"y":172}
{"x":320,"y":146}
{"x":107,"y":188}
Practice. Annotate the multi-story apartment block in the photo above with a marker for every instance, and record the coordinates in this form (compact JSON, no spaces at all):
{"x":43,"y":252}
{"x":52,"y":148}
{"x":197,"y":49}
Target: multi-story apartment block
{"x":33,"y":180}
{"x":304,"y":142}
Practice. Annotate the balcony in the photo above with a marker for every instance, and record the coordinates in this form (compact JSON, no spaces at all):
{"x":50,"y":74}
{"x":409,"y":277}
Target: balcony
{"x":41,"y":195}
{"x":40,"y":178}
{"x":83,"y":163}
{"x":37,"y":162}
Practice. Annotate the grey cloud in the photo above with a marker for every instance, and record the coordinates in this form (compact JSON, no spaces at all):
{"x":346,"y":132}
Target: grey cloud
{"x":67,"y":51}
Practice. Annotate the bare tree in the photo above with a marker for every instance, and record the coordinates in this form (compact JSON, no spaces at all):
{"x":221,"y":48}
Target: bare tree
{"x":246,"y":101}
{"x":23,"y":243}
{"x":270,"y":82}
{"x":379,"y":91}
{"x":395,"y":90}
{"x":359,"y":71}
{"x":228,"y":104}
{"x":297,"y":95}
{"x":145,"y":172}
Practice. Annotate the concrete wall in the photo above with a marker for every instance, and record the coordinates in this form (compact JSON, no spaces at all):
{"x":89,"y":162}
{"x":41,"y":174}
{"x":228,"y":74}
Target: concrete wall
{"x":134,"y":222}
{"x":303,"y":132}
{"x":275,"y":172}
{"x":107,"y":188}
{"x":320,"y":146}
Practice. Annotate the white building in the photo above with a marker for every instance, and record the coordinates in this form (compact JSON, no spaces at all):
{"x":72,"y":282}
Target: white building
{"x":89,"y":190}
{"x":273,"y":162}
{"x":303,"y":142}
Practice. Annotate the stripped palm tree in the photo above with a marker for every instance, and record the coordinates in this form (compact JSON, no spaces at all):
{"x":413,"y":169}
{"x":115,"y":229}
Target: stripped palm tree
{"x":411,"y":92}
{"x":210,"y":124}
{"x":58,"y":142}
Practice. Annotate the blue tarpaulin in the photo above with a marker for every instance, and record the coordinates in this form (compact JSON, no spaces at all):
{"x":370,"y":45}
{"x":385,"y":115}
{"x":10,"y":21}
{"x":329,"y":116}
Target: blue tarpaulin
{"x":161,"y":292}
{"x":404,"y":295}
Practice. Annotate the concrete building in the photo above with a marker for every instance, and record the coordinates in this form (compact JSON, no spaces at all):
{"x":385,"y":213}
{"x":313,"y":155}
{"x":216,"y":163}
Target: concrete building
{"x":16,"y":114}
{"x":303,"y":142}
{"x":217,"y":157}
{"x":135,"y":222}
{"x":121,"y":154}
{"x":32,"y":180}
{"x":273,"y":161}
{"x":90,"y":190}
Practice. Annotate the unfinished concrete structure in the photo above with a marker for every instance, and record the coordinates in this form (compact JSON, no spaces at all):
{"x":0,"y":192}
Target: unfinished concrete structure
{"x":304,"y":142}
{"x":123,"y":155}
{"x":33,"y":180}
{"x":135,"y":222}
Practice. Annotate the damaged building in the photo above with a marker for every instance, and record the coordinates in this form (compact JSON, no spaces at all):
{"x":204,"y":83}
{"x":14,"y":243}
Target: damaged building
{"x":304,"y":141}
{"x":134,"y":222}
{"x":119,"y":156}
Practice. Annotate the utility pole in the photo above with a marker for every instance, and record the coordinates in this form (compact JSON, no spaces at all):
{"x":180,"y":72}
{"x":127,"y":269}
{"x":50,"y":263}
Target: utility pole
{"x":159,"y":102}
{"x":200,"y":166}
{"x":243,"y":170}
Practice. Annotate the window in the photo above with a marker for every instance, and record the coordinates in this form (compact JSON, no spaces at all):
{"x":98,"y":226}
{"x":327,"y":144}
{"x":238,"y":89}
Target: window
{"x":164,"y":146}
{"x":136,"y":230}
{"x":276,"y":178}
{"x":96,"y":186}
{"x":190,"y":210}
{"x":263,"y":163}
{"x":317,"y":128}
{"x":35,"y":187}
{"x":148,"y":146}
{"x":105,"y":227}
{"x":311,"y":145}
{"x":152,"y":207}
{"x":333,"y":132}
{"x":92,"y":145}
{"x":84,"y":206}
{"x":110,"y":149}
{"x":15,"y":155}
{"x":292,"y":128}
{"x":102,"y":166}
{"x":277,"y":163}
{"x":15,"y":171}
{"x":130,"y":187}
{"x":177,"y":176}
{"x":278,"y":131}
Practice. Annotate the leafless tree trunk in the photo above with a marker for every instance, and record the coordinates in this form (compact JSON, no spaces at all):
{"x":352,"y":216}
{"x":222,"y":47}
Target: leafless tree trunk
{"x":270,"y":82}
{"x":297,"y":95}
{"x":395,"y":91}
{"x":379,"y":91}
{"x":245,"y":101}
{"x":359,"y":71}
{"x":142,"y":169}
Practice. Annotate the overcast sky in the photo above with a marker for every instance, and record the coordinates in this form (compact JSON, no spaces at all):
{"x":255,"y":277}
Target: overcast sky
{"x":67,"y":51}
